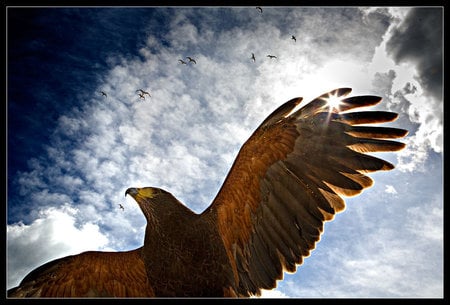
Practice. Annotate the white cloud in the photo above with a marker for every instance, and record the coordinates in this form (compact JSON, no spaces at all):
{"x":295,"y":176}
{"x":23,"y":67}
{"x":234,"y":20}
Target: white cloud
{"x":425,"y":228}
{"x":51,"y":198}
{"x":390,"y":189}
{"x":428,"y":226}
{"x":54,"y":234}
{"x":272,"y":294}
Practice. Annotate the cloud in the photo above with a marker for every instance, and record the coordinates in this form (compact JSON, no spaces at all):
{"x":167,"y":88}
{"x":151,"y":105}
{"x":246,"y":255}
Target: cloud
{"x":425,"y":227}
{"x":390,"y":189}
{"x":419,"y":39}
{"x":53,"y":234}
{"x":428,"y":226}
{"x":272,"y":294}
{"x":400,"y":67}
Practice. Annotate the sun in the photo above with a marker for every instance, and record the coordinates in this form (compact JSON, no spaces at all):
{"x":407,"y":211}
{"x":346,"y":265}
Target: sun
{"x":333,"y":102}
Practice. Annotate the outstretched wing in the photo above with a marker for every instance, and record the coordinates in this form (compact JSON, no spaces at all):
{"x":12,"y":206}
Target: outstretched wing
{"x":288,"y":178}
{"x":89,"y":274}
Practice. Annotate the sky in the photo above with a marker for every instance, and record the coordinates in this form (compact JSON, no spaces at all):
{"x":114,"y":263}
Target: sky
{"x":72,"y":153}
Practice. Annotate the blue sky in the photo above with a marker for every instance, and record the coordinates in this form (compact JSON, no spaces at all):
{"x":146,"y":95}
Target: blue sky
{"x":72,"y":153}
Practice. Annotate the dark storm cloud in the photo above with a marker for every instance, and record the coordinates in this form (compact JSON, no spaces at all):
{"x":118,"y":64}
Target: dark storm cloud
{"x":419,"y":39}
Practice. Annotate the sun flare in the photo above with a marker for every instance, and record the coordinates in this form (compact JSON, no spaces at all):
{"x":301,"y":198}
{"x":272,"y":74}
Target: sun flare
{"x":333,"y":102}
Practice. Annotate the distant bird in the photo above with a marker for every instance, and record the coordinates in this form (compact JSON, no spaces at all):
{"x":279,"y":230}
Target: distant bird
{"x":293,"y":38}
{"x":191,"y":59}
{"x":121,"y":207}
{"x":182,"y":62}
{"x":103,"y":94}
{"x":271,"y":56}
{"x":253,"y":57}
{"x":143,"y":92}
{"x":288,"y":179}
{"x":259,"y":8}
{"x":142,"y":96}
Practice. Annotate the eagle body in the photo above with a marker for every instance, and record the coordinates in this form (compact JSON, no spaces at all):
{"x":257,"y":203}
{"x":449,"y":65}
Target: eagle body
{"x":183,"y":253}
{"x":287,"y":180}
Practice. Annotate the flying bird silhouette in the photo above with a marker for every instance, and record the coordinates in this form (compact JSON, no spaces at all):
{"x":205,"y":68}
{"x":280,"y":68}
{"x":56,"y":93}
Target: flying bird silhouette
{"x":182,"y":62}
{"x":103,"y":94}
{"x":271,"y":56}
{"x":293,"y":38}
{"x":287,"y":180}
{"x":253,"y":57}
{"x":260,"y":9}
{"x":143,"y":92}
{"x":121,"y":207}
{"x":141,"y":95}
{"x":191,"y":59}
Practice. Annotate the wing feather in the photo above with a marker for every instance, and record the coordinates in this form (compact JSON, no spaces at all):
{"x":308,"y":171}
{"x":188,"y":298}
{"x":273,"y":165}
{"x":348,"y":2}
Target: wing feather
{"x":260,"y":262}
{"x":289,"y":178}
{"x":376,"y":132}
{"x":358,"y":101}
{"x":284,"y":188}
{"x":88,"y":274}
{"x":365,"y":117}
{"x":273,"y":235}
{"x":290,"y":245}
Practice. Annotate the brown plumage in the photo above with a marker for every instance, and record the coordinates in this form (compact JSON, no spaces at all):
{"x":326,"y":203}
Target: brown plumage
{"x":287,"y":180}
{"x":89,"y":274}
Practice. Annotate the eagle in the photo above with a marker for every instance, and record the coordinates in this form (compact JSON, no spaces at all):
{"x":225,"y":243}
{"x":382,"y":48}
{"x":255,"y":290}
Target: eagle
{"x":288,"y":179}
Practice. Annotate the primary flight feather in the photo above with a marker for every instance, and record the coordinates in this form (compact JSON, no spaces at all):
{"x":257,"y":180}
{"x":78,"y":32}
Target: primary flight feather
{"x":286,"y":181}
